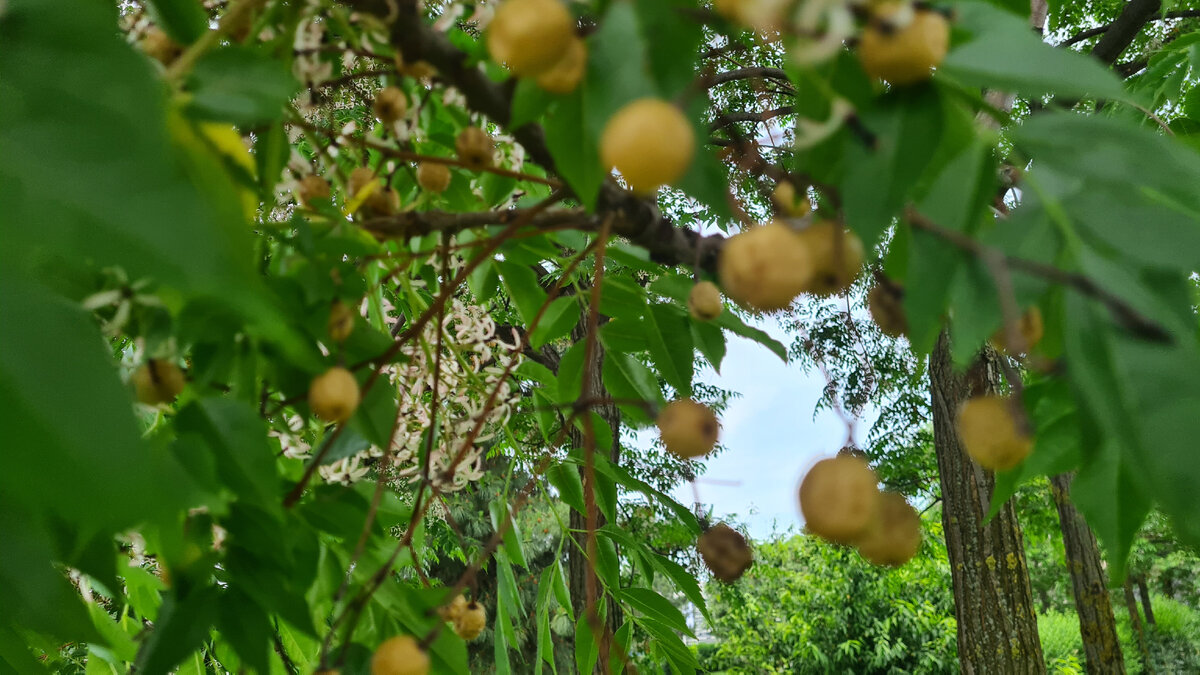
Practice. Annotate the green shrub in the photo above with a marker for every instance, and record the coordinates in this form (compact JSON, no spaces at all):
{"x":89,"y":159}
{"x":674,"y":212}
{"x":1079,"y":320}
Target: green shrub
{"x":1173,"y":642}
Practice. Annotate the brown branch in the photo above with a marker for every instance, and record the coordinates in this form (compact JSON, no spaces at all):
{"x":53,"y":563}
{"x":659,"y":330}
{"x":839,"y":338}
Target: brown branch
{"x":1121,"y":33}
{"x":746,"y":74}
{"x":1101,"y":30}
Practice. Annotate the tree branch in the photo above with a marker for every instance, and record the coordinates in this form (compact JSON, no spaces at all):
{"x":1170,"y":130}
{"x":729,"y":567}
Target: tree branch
{"x":746,"y":74}
{"x":1100,"y":30}
{"x":1120,"y":33}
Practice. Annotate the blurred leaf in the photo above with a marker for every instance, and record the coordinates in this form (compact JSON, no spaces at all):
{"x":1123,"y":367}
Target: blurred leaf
{"x":242,"y":85}
{"x":670,"y":343}
{"x":655,"y":606}
{"x":183,"y":20}
{"x":247,"y":627}
{"x":182,"y":627}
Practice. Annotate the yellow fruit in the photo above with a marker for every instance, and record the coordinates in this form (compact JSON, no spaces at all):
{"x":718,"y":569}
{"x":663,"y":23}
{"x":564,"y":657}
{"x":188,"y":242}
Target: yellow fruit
{"x":886,"y":304}
{"x":565,"y":75}
{"x":725,"y":552}
{"x":341,"y":321}
{"x":433,"y":177}
{"x":401,"y":655}
{"x":455,"y":609}
{"x":788,"y":203}
{"x":312,"y":187}
{"x":687,"y":428}
{"x":471,"y":621}
{"x":837,"y":257}
{"x":334,"y":396}
{"x":989,"y":433}
{"x":158,"y":381}
{"x":704,"y":302}
{"x":765,"y":267}
{"x":160,"y":47}
{"x":839,"y":498}
{"x":381,"y":203}
{"x":390,"y":105}
{"x":902,"y":44}
{"x":475,"y":147}
{"x":895,"y":535}
{"x":530,"y":36}
{"x":1030,"y":327}
{"x":650,"y":142}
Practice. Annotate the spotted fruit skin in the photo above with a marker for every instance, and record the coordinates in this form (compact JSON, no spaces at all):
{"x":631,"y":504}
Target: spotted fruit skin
{"x":401,"y":655}
{"x":334,"y":395}
{"x":471,"y":621}
{"x":529,"y":36}
{"x":688,"y":429}
{"x":906,"y":54}
{"x":989,"y":432}
{"x":837,"y":257}
{"x":475,"y":148}
{"x":894,"y":537}
{"x":765,"y":267}
{"x":650,"y":142}
{"x":839,"y":498}
{"x":158,"y":382}
{"x":704,"y":301}
{"x":433,"y":177}
{"x":725,"y":552}
{"x":563,"y":77}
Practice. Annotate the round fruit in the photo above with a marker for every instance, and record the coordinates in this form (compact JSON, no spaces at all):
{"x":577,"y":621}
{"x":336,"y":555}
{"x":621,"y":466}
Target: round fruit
{"x":989,"y":433}
{"x":886,"y":303}
{"x":160,"y":47}
{"x":401,"y":655}
{"x":341,"y":321}
{"x":565,"y":75}
{"x":839,"y":498}
{"x":381,"y":203}
{"x":765,"y":267}
{"x":687,"y":428}
{"x":433,"y":177}
{"x":650,"y":142}
{"x":704,"y":302}
{"x":895,"y":535}
{"x":455,"y":609}
{"x":837,"y":257}
{"x":312,"y":187}
{"x":902,"y":44}
{"x":529,"y":36}
{"x":725,"y":552}
{"x":359,"y":179}
{"x":334,"y":396}
{"x":475,"y":147}
{"x":788,"y":203}
{"x":1030,"y":327}
{"x":390,"y":105}
{"x":158,"y":381}
{"x":471,"y":621}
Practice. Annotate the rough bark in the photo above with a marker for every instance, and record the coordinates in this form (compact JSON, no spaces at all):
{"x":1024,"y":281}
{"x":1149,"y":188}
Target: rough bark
{"x":1097,"y":625}
{"x":997,"y":624}
{"x":1135,"y":620}
{"x":1144,"y":595}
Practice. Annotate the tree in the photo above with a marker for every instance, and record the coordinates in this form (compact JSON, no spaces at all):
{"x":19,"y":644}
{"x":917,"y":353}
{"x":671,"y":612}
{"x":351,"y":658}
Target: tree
{"x":292,"y":284}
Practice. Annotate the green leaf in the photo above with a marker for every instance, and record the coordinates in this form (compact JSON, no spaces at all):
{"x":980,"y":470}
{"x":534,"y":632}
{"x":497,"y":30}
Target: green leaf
{"x":561,"y":593}
{"x":237,"y":437}
{"x":671,"y":40}
{"x":530,"y":103}
{"x":734,"y":324}
{"x":560,"y":317}
{"x":710,"y":341}
{"x":628,"y":378}
{"x":242,"y":622}
{"x":345,"y":444}
{"x":241,"y":85}
{"x":183,"y":20}
{"x":1004,"y":54}
{"x":622,"y":298}
{"x":669,"y":643}
{"x":523,"y":287}
{"x":182,"y":626}
{"x":512,"y":535}
{"x":683,"y":580}
{"x":655,"y":606}
{"x":576,"y":156}
{"x":670,"y":343}
{"x":115,"y":637}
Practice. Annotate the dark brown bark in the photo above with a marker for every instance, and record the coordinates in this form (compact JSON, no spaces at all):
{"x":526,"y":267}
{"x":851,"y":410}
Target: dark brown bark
{"x":997,"y":624}
{"x":1097,"y":625}
{"x":1135,"y":620}
{"x":1144,"y":595}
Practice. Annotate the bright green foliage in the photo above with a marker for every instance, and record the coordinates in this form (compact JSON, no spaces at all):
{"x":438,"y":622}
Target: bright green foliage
{"x":1172,"y":641}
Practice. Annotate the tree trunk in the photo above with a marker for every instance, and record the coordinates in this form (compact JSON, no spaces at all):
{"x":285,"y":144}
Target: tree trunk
{"x":1135,"y":620}
{"x":1144,"y":594}
{"x":579,"y":568}
{"x":1097,"y":625}
{"x":997,"y":624}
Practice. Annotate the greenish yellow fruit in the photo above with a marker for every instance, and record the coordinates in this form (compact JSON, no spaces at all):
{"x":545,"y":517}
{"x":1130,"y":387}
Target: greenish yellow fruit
{"x":529,"y":36}
{"x":788,"y":203}
{"x":341,"y":321}
{"x":839,"y":498}
{"x":886,"y":304}
{"x":688,"y":429}
{"x":837,"y":257}
{"x":433,"y":177}
{"x":471,"y":621}
{"x":475,"y":148}
{"x":704,"y":301}
{"x":401,"y":655}
{"x":894,"y":535}
{"x":564,"y":76}
{"x":1030,"y":327}
{"x":902,"y":44}
{"x":390,"y":105}
{"x":158,"y":381}
{"x":765,"y":267}
{"x":455,"y":609}
{"x":334,"y":395}
{"x":990,"y":433}
{"x":312,"y":187}
{"x":650,"y":142}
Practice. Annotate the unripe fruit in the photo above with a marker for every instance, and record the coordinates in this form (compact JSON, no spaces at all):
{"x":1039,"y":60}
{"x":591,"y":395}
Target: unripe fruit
{"x":788,"y":203}
{"x":1030,"y":327}
{"x":704,"y":301}
{"x":158,"y":381}
{"x":650,"y":142}
{"x":433,"y":177}
{"x":725,"y":552}
{"x":471,"y":621}
{"x":765,"y":267}
{"x":341,"y":321}
{"x":989,"y":433}
{"x":360,"y":178}
{"x":334,"y":396}
{"x":312,"y":187}
{"x":390,"y":105}
{"x":475,"y":147}
{"x":688,"y":429}
{"x":565,"y":75}
{"x":529,"y":36}
{"x":160,"y":47}
{"x":895,"y":534}
{"x":903,"y":52}
{"x":886,"y":304}
{"x":837,"y":257}
{"x":401,"y":655}
{"x":839,"y":498}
